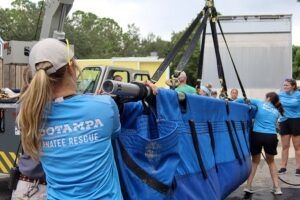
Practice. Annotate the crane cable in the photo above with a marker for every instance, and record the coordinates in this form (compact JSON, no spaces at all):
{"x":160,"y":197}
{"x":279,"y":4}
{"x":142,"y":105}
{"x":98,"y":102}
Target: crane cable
{"x":39,"y":19}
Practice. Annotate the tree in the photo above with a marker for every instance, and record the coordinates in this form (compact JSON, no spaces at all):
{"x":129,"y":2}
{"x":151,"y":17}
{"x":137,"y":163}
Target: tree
{"x":154,"y":43}
{"x":296,"y":62}
{"x":21,"y":21}
{"x":92,"y":36}
{"x":131,"y":41}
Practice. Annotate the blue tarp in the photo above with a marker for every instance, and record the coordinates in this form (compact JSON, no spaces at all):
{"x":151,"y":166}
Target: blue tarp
{"x":163,"y":156}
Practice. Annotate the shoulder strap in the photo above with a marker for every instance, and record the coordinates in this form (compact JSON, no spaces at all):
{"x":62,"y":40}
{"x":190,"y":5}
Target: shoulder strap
{"x":17,"y":154}
{"x":238,"y":139}
{"x":212,"y":142}
{"x":235,"y":151}
{"x":218,"y":57}
{"x":176,"y":48}
{"x":236,"y":72}
{"x":201,"y":59}
{"x":188,"y":53}
{"x":142,"y":174}
{"x":197,"y":149}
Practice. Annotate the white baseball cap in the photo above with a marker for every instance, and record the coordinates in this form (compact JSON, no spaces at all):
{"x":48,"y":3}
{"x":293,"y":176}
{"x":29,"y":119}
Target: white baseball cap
{"x":51,"y":50}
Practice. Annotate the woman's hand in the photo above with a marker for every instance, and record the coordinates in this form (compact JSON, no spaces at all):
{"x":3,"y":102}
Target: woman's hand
{"x":153,"y":87}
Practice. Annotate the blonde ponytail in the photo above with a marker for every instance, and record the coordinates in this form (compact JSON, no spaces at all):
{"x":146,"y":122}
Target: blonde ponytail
{"x":33,"y":106}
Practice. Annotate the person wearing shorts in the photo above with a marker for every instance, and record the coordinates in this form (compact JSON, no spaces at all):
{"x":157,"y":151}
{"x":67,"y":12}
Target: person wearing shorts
{"x":264,"y":136}
{"x":290,"y":124}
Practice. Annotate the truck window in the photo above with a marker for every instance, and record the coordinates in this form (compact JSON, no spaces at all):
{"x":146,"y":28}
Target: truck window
{"x":141,"y":77}
{"x":122,"y":76}
{"x":87,"y":81}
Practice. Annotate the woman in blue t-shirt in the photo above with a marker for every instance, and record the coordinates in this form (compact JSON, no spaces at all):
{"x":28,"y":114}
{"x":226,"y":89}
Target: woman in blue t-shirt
{"x":264,"y":136}
{"x":290,"y":123}
{"x":69,"y":134}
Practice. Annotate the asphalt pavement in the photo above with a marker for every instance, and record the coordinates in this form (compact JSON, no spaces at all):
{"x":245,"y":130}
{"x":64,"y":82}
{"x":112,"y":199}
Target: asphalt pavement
{"x":262,"y":183}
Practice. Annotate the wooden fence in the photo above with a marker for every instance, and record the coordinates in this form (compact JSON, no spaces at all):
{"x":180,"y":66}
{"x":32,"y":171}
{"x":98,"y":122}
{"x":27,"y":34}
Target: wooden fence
{"x":11,"y":76}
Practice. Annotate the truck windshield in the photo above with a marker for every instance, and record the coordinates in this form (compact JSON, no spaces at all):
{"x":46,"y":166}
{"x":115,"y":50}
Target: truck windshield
{"x":87,"y":81}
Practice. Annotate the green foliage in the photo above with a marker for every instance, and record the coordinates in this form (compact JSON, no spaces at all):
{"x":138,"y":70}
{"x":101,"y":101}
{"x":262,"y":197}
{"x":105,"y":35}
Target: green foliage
{"x":155,"y":44}
{"x":95,"y":37}
{"x":20,"y":22}
{"x":92,"y":36}
{"x":296,"y":62}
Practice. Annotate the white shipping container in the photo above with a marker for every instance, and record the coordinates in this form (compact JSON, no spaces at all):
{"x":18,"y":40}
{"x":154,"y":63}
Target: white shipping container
{"x":261,"y":46}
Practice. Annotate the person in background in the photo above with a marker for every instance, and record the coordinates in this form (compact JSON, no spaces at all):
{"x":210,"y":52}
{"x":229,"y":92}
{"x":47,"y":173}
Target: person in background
{"x":289,"y":124}
{"x":214,"y":94}
{"x":32,"y":181}
{"x":69,"y":134}
{"x":183,"y":86}
{"x":118,"y":78}
{"x":203,"y":91}
{"x":234,"y":93}
{"x":209,"y":87}
{"x":264,"y":136}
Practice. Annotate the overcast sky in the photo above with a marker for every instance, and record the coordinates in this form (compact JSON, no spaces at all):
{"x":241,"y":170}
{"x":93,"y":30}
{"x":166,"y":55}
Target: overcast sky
{"x":162,"y":17}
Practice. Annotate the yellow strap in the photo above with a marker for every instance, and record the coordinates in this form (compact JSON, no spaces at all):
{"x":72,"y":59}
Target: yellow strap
{"x":68,"y":50}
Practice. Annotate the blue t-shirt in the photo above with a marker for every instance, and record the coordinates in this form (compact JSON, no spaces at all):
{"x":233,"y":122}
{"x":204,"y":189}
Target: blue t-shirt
{"x":77,"y":153}
{"x":290,"y":104}
{"x":266,"y":116}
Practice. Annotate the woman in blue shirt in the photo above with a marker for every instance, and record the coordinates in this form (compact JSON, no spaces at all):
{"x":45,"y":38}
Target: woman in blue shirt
{"x":290,"y":123}
{"x":69,"y":134}
{"x":264,"y":136}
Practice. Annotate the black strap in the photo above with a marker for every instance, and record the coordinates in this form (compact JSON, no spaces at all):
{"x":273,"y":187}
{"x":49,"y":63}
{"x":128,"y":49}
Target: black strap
{"x":189,"y":51}
{"x":237,"y":137}
{"x":197,"y":149}
{"x":236,"y":72}
{"x":142,"y":174}
{"x":164,"y":65}
{"x":227,"y":106}
{"x":17,"y":153}
{"x":244,"y":134}
{"x":201,"y":59}
{"x":182,"y":103}
{"x":212,"y":142}
{"x":235,"y":151}
{"x":122,"y":183}
{"x":218,"y":56}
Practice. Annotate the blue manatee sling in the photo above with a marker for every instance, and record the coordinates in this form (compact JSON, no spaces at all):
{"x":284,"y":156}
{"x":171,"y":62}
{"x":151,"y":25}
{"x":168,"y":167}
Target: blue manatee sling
{"x":192,"y":149}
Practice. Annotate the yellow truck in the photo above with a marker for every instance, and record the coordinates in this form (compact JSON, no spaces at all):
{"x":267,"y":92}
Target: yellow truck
{"x":130,"y":68}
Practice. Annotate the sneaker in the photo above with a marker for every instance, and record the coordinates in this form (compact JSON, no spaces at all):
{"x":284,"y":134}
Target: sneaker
{"x":277,"y":191}
{"x":248,"y":190}
{"x":282,"y":171}
{"x":297,"y":173}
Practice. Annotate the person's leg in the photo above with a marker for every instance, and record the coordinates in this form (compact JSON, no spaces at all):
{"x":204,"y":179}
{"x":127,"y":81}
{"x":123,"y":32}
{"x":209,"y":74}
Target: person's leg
{"x":273,"y":169}
{"x":255,"y":162}
{"x":285,"y":142}
{"x":296,"y":143}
